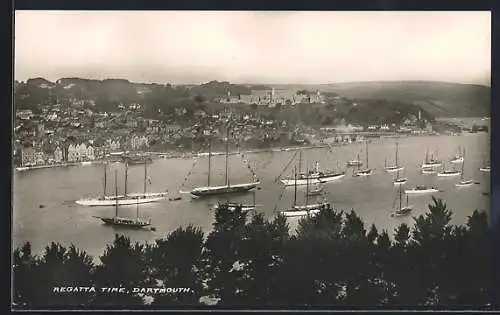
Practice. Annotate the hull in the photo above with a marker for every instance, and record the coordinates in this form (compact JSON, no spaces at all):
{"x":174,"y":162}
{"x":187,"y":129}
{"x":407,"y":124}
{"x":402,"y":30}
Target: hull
{"x":354,"y":163}
{"x":485,"y":169}
{"x":300,"y":213}
{"x":449,"y":174}
{"x":391,"y":169}
{"x":232,"y":206}
{"x":403,"y":211}
{"x":220,"y":190}
{"x":125,"y":222}
{"x":400,"y":181}
{"x":96,"y":202}
{"x":465,"y":183}
{"x":431,"y":165}
{"x":457,"y":160}
{"x":316,"y":206}
{"x":429,"y":171}
{"x":363,"y":173}
{"x":148,"y":195}
{"x":420,"y":191}
{"x":85,"y":163}
{"x":313,"y":180}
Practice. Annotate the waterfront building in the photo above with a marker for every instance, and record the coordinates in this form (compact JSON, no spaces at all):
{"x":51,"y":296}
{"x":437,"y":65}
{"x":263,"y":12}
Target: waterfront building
{"x":72,"y":153}
{"x":58,"y":155}
{"x":90,"y":153}
{"x":28,"y":157}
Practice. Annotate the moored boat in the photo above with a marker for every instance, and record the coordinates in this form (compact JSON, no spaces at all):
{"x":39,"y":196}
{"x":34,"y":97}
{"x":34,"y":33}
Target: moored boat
{"x":396,"y":167}
{"x":234,"y":205}
{"x":449,"y":173}
{"x":486,"y":169}
{"x":421,"y":189}
{"x":429,"y":170}
{"x":366,"y":171}
{"x":300,"y":213}
{"x":303,"y":210}
{"x":400,"y":181}
{"x":430,"y":162}
{"x":116,"y":220}
{"x":402,"y":210}
{"x":227,"y":188}
{"x":458,"y":158}
{"x":464,"y":182}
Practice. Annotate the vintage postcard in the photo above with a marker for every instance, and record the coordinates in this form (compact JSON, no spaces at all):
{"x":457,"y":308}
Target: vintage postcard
{"x":167,"y":159}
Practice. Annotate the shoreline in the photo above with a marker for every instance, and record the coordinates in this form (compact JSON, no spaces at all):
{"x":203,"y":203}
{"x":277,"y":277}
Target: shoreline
{"x":187,"y":155}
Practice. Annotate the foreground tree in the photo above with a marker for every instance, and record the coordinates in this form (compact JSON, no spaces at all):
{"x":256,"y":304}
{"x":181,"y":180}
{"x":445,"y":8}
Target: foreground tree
{"x":123,"y":265}
{"x":331,"y":260}
{"x":175,"y":263}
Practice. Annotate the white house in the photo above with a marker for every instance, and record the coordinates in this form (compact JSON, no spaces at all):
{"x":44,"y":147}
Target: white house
{"x":58,"y":155}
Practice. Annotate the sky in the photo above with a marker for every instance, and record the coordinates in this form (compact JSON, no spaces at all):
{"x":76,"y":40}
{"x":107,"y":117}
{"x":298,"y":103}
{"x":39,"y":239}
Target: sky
{"x":191,"y":47}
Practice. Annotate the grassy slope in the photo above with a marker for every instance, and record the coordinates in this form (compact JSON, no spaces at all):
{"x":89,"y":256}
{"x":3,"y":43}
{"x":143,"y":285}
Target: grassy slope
{"x":441,"y":99}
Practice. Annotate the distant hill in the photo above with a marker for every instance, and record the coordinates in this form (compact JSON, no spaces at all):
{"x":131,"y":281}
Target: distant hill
{"x":440,"y":99}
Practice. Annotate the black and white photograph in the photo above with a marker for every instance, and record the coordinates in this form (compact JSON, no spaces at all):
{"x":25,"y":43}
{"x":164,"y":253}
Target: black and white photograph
{"x":251,"y":159}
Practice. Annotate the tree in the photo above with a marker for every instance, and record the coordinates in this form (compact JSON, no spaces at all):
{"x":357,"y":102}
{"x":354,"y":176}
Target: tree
{"x":23,"y":273}
{"x":58,"y":267}
{"x":221,"y":255}
{"x":122,"y":265}
{"x":175,"y":262}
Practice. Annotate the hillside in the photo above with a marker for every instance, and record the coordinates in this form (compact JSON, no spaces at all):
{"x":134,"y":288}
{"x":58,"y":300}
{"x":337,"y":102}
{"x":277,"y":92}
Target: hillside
{"x":440,"y":99}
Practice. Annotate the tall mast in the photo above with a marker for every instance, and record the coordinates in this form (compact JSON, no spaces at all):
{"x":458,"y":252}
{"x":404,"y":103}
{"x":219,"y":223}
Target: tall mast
{"x":400,"y":195}
{"x":397,"y":165}
{"x":307,"y":188}
{"x":300,"y":161}
{"x":227,"y":156}
{"x":126,"y":177}
{"x":137,"y":209}
{"x":358,"y":164}
{"x":105,"y":177}
{"x":116,"y":193}
{"x":209,"y":160}
{"x":463,"y":163}
{"x":366,"y":153}
{"x":145,"y":176}
{"x":295,"y":187}
{"x":397,"y":146}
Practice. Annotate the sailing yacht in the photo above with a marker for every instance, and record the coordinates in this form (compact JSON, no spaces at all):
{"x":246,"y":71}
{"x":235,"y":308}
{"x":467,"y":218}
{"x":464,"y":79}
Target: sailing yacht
{"x":402,"y":211}
{"x":126,"y":199}
{"x":430,"y":162}
{"x":396,"y":167}
{"x":227,"y":188}
{"x":486,"y":168}
{"x":421,"y":190}
{"x":304,"y":210}
{"x":366,"y":171}
{"x":315,"y":176}
{"x":464,"y":182}
{"x":449,"y":173}
{"x":136,"y":222}
{"x":428,"y":170}
{"x":458,"y":158}
{"x":355,"y":163}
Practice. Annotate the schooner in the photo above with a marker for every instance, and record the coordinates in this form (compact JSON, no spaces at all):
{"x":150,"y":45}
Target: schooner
{"x":227,"y":188}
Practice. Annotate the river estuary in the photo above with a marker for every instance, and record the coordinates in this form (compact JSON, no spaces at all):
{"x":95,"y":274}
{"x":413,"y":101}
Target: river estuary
{"x":372,"y":197}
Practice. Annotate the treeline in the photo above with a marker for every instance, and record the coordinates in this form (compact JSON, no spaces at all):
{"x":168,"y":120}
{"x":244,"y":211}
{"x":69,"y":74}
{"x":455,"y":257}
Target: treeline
{"x":108,"y":94}
{"x":332,"y":261}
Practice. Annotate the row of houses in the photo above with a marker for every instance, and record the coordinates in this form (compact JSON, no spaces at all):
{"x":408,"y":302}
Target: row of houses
{"x":31,"y":156}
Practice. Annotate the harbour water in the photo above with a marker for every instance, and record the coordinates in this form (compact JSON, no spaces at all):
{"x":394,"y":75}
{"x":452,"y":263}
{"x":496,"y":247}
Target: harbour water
{"x":372,"y":197}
